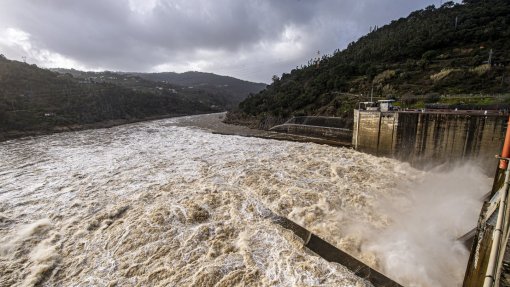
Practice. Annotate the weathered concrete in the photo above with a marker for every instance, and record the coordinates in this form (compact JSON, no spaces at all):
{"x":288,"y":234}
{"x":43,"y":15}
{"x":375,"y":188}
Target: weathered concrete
{"x":320,"y":127}
{"x":375,"y":132}
{"x":423,"y":138}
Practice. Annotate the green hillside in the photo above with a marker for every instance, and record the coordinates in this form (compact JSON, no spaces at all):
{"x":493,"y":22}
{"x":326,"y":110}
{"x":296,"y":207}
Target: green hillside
{"x":451,"y":50}
{"x":222,"y":91}
{"x":35,"y":100}
{"x":235,"y":89}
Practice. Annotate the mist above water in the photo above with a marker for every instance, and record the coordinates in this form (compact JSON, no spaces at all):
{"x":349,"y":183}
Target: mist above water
{"x":419,"y":247}
{"x":157,"y":204}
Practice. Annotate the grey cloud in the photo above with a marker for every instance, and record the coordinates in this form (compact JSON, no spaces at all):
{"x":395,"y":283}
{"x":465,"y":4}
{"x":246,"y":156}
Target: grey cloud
{"x":245,"y":35}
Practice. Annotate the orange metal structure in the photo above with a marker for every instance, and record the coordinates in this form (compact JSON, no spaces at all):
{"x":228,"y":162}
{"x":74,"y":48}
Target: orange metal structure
{"x":503,"y":164}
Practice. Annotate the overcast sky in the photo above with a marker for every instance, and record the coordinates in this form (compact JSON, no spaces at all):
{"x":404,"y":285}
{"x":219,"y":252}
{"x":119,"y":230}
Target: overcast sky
{"x":248,"y":39}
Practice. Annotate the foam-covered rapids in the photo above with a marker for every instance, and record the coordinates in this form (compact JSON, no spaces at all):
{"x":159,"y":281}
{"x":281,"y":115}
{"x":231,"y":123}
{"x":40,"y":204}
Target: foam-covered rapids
{"x":155,"y":204}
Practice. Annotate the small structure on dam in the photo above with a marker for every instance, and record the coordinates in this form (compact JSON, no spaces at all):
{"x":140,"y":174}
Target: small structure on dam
{"x":429,"y":136}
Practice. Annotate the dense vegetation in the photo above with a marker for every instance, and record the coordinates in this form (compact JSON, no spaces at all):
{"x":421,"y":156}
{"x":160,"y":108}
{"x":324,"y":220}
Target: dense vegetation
{"x":454,"y":49}
{"x":212,"y":89}
{"x":235,"y":89}
{"x":35,"y":100}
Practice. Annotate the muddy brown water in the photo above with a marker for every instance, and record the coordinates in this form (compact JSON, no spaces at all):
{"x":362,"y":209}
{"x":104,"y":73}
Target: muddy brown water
{"x":169,"y":203}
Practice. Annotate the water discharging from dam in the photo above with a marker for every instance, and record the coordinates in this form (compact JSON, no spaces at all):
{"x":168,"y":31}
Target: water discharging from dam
{"x":159,"y":203}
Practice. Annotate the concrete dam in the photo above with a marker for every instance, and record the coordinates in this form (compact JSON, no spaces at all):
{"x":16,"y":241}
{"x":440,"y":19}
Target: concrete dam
{"x":421,"y":138}
{"x":437,"y":137}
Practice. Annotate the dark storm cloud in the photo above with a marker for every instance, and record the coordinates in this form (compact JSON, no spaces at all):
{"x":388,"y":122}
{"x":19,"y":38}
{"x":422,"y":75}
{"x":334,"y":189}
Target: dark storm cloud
{"x":248,"y":39}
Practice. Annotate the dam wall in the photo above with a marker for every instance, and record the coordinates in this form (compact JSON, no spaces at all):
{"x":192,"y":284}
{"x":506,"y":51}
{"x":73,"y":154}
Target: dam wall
{"x":422,"y":138}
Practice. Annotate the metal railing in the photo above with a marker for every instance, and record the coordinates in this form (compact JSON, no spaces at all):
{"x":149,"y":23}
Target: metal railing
{"x":500,"y":234}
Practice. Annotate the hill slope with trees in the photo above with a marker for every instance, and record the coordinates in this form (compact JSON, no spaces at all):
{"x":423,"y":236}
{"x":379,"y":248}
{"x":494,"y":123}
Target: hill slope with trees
{"x":214,"y":89}
{"x":450,"y":50}
{"x":235,"y":89}
{"x":35,"y":100}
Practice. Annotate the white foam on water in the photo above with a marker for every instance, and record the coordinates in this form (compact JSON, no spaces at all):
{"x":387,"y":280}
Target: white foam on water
{"x":154,"y":204}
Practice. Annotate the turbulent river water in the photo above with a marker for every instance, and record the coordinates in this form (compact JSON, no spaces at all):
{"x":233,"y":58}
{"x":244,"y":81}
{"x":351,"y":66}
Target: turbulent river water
{"x":164,"y":203}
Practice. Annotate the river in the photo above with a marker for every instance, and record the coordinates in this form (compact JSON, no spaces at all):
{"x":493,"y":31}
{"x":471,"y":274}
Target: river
{"x":169,"y":203}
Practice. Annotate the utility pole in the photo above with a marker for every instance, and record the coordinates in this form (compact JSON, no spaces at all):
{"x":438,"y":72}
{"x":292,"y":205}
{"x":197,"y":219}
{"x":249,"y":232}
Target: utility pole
{"x":318,"y":58}
{"x":372,"y":93}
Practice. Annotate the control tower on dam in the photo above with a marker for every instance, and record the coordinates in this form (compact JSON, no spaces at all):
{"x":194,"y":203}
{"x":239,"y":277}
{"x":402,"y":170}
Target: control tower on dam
{"x":422,"y":137}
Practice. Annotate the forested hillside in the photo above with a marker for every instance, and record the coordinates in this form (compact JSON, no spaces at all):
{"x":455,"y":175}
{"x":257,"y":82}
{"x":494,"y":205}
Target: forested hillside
{"x":236,"y":90}
{"x":453,"y":49}
{"x":35,"y":100}
{"x":222,"y":91}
